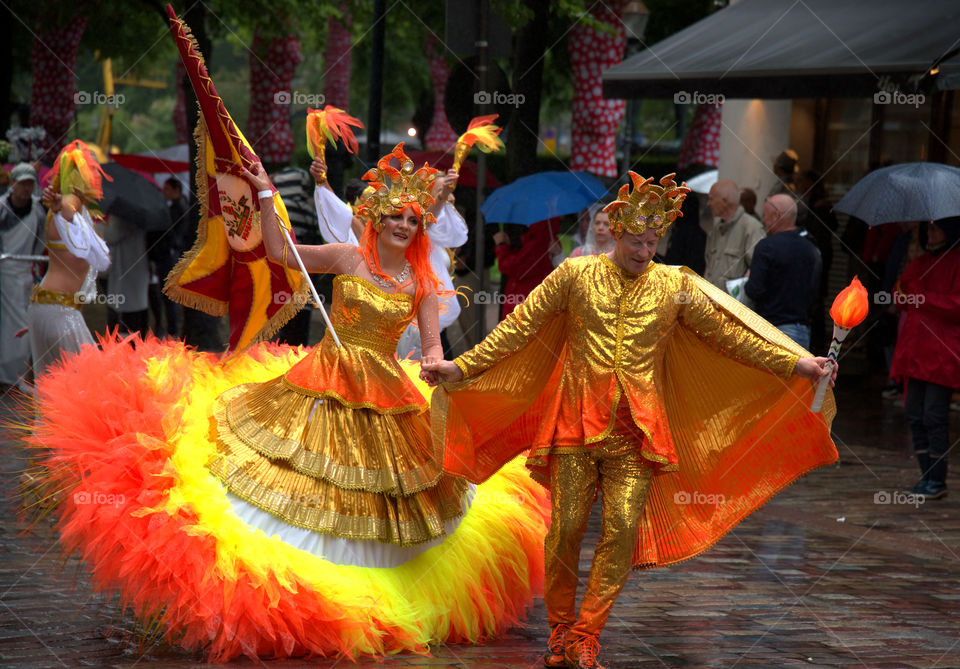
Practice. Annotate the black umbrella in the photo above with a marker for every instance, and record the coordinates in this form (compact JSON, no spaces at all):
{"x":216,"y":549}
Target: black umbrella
{"x":904,"y":192}
{"x":134,"y":199}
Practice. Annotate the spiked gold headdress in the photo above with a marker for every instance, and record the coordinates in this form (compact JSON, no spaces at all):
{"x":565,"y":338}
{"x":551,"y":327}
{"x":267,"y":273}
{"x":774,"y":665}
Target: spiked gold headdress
{"x":394,"y":190}
{"x":648,"y":207}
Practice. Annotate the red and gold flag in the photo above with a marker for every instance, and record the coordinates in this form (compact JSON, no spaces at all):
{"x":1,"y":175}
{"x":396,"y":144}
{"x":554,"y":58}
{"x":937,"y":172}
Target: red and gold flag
{"x":227,"y":270}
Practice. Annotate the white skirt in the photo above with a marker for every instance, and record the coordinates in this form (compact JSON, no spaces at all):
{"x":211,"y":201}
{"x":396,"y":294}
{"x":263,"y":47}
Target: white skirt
{"x":355,"y":552}
{"x":54,"y":328}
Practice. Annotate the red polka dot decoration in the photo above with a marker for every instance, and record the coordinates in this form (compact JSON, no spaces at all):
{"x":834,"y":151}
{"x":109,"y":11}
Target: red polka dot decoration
{"x":272,"y":66}
{"x":701,"y":146}
{"x":595,"y":119}
{"x":440,"y":136}
{"x":53,"y":95}
{"x":336,"y":78}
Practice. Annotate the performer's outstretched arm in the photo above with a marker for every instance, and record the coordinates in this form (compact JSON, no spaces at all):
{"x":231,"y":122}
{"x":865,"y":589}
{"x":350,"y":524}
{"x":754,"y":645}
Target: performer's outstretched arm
{"x":712,"y":325}
{"x":450,"y":230}
{"x":328,"y":258}
{"x":515,"y":331}
{"x":430,"y":344}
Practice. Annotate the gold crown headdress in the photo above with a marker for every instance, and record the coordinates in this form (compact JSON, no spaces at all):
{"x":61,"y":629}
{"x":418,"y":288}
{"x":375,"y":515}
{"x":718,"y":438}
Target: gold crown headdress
{"x":355,"y":205}
{"x":648,"y":207}
{"x":394,"y":190}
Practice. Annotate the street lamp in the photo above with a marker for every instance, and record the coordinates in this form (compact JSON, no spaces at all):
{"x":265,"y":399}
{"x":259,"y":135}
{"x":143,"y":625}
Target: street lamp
{"x":635,"y":17}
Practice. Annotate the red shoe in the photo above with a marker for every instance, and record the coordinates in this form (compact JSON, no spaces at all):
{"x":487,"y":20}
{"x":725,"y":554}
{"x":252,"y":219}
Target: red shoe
{"x":582,"y":653}
{"x":556,"y":646}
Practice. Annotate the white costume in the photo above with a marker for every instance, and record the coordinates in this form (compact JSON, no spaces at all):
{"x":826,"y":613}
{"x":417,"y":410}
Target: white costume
{"x":54,"y":318}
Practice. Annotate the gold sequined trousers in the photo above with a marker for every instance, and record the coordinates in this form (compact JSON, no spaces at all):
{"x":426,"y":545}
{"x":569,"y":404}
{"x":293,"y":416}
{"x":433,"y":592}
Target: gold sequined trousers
{"x":624,"y":479}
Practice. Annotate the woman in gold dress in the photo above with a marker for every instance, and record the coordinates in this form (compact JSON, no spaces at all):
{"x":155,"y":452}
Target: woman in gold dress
{"x":340,"y":444}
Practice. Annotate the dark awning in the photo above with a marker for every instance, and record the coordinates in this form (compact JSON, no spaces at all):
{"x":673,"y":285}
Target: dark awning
{"x":798,"y":49}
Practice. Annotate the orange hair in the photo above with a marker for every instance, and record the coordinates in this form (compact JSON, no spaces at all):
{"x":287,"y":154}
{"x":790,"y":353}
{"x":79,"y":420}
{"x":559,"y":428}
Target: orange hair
{"x":417,"y":254}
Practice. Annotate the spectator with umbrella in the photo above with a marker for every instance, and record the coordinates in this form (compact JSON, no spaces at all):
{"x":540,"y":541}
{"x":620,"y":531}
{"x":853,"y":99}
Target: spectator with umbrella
{"x":928,"y":295}
{"x":536,"y":201}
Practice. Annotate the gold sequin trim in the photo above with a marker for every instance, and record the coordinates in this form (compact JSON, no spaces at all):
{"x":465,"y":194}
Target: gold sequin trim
{"x":367,"y":341}
{"x":40,"y":295}
{"x":369,"y":284}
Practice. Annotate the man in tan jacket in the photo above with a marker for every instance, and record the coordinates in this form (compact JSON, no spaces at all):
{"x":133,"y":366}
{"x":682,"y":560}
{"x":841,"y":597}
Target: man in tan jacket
{"x":730,"y":241}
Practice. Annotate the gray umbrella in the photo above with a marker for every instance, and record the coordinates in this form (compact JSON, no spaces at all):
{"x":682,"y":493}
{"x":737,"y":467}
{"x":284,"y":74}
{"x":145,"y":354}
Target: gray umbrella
{"x":905,"y":192}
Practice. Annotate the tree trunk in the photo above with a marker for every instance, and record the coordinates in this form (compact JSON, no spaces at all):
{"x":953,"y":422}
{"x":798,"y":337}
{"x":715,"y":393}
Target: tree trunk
{"x":593,"y":136}
{"x":54,"y":91}
{"x":338,"y":55}
{"x":6,"y":73}
{"x":523,"y":130}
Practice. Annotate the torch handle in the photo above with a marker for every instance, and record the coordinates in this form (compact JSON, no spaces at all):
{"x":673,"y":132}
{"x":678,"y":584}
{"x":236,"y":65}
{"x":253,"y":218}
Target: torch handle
{"x":459,"y":154}
{"x":321,"y":153}
{"x":839,"y":334}
{"x":817,"y":403}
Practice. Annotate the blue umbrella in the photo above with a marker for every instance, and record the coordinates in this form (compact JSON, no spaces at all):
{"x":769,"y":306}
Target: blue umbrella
{"x":542,"y":196}
{"x":905,"y":192}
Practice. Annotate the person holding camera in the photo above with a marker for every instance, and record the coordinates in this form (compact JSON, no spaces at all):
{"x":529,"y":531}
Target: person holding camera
{"x":632,"y":377}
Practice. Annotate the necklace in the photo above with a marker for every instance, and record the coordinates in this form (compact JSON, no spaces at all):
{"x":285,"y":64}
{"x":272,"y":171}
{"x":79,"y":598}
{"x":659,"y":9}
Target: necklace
{"x":399,"y":278}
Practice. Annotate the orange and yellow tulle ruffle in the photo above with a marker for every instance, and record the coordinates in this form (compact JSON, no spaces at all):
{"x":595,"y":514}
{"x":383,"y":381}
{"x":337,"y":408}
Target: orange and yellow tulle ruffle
{"x":124,"y":434}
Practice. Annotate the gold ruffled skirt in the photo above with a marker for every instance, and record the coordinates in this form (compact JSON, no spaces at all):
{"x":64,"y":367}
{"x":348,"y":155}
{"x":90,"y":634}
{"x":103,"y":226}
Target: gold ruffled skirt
{"x":322,"y":465}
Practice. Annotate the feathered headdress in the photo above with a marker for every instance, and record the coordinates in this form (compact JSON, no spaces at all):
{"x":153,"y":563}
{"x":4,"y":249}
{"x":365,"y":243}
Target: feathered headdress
{"x":648,"y":207}
{"x":396,"y":189}
{"x":76,"y":170}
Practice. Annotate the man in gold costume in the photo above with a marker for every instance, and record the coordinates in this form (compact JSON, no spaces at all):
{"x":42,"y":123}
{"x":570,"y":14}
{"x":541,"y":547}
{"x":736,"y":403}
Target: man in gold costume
{"x":683,"y":408}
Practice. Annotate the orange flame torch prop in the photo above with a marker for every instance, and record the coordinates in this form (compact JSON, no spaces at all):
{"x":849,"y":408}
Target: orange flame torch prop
{"x":330,"y":124}
{"x":481,"y":132}
{"x":849,"y":309}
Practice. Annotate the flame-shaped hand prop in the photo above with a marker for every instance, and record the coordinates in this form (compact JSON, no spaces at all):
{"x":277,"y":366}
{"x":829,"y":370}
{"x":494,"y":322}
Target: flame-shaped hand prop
{"x":330,"y":124}
{"x":848,"y":311}
{"x":481,"y":132}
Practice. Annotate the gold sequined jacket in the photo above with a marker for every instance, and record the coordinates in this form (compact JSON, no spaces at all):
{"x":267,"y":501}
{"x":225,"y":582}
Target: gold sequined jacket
{"x":617,"y":326}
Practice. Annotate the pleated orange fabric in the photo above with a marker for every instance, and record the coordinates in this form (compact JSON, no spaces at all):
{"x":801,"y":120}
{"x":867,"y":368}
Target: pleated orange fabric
{"x":739,"y":434}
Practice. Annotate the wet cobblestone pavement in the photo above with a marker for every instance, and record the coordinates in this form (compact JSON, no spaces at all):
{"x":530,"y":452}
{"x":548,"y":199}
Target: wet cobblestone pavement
{"x":837,"y":570}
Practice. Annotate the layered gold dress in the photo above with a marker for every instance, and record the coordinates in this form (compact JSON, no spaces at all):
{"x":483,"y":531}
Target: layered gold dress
{"x":340,"y":444}
{"x":336,"y":533}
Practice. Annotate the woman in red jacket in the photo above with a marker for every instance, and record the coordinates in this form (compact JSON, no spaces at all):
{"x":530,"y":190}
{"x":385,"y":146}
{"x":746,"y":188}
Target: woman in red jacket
{"x":527,"y":266}
{"x":927,"y":349}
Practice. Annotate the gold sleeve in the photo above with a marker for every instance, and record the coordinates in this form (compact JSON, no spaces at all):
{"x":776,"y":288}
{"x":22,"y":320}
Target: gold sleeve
{"x":515,"y":331}
{"x":711,"y":324}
